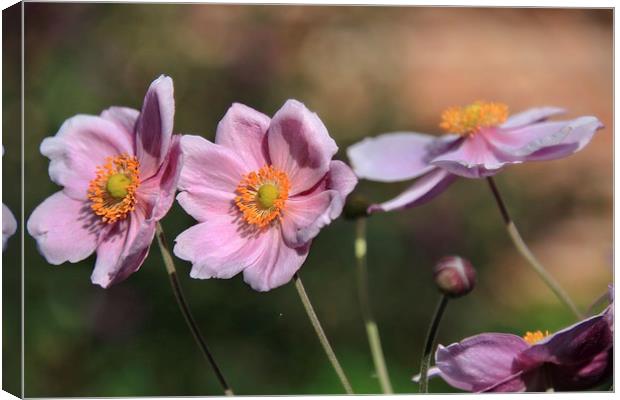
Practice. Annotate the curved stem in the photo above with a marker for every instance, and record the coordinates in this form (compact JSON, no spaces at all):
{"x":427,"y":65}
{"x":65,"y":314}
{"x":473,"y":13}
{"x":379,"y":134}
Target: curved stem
{"x":429,"y":344}
{"x":372,"y":331}
{"x":517,"y":240}
{"x":184,"y":307}
{"x":321,"y":334}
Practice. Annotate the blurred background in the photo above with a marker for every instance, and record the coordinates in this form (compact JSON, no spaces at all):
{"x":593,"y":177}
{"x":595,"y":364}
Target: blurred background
{"x":365,"y":71}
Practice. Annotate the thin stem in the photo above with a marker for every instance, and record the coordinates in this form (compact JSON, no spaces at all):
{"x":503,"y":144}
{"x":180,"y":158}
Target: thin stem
{"x":429,"y":344}
{"x":372,"y":331}
{"x":517,"y":240}
{"x":321,"y":334}
{"x":184,"y":307}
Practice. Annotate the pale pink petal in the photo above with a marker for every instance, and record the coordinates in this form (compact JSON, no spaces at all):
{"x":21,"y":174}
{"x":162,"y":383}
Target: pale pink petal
{"x":65,"y":229}
{"x":154,"y":126}
{"x":9,"y":225}
{"x":432,"y":373}
{"x":342,"y":179}
{"x":122,"y":249}
{"x":480,"y":361}
{"x":391,"y":157}
{"x":422,"y":191}
{"x":208,"y":165}
{"x":221,"y":247}
{"x":474,"y":158}
{"x":531,"y":116}
{"x":124,"y":117}
{"x":83,"y":143}
{"x":277,"y":264}
{"x":243,"y":130}
{"x":300,"y":145}
{"x":203,"y":203}
{"x":546,"y":140}
{"x":304,"y":216}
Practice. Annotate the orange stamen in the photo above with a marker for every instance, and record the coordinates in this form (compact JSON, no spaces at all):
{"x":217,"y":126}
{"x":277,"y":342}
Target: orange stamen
{"x":534,"y":337}
{"x":109,"y":205}
{"x":258,"y":208}
{"x":470,"y":119}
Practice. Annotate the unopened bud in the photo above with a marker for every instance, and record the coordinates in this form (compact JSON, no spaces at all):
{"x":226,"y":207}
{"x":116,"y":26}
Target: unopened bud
{"x":355,"y":207}
{"x":455,"y":276}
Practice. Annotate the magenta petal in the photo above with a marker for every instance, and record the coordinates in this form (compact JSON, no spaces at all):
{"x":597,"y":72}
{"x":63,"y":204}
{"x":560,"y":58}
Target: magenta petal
{"x":300,"y":146}
{"x":531,"y":116}
{"x":9,"y":225}
{"x":277,"y":264}
{"x":122,"y":250}
{"x":474,"y":158}
{"x":391,"y":157}
{"x":221,"y":247}
{"x":208,"y":165}
{"x":480,"y":361}
{"x":243,"y":130}
{"x":154,"y":126}
{"x":65,"y":229}
{"x":124,"y":117}
{"x":423,"y":190}
{"x":304,"y":216}
{"x":83,"y":143}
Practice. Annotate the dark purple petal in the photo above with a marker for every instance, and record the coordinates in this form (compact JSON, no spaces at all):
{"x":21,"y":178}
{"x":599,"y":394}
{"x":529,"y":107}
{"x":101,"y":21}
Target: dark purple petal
{"x":581,"y":376}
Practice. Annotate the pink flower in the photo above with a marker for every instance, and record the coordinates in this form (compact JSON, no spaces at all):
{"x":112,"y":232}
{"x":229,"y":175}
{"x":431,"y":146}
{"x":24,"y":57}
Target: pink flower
{"x":119,"y":172}
{"x":260,"y":193}
{"x":481,"y":141}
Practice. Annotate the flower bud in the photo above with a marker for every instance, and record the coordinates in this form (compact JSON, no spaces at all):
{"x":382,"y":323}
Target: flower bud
{"x":455,"y":276}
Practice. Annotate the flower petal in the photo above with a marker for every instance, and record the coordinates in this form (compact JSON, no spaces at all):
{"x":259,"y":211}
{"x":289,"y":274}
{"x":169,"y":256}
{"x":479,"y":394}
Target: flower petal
{"x":243,"y":130}
{"x":546,"y":140}
{"x":391,"y":157}
{"x":300,"y":146}
{"x":65,"y":229}
{"x":305,"y":215}
{"x":221,"y":247}
{"x":480,"y":361}
{"x":154,"y":126}
{"x":423,"y":190}
{"x":122,"y":250}
{"x":124,"y":117}
{"x":531,"y":116}
{"x":342,"y":179}
{"x":277,"y":264}
{"x":9,"y":225}
{"x":83,"y":143}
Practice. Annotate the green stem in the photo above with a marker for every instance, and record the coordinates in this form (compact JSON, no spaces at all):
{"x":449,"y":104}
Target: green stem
{"x":517,"y":240}
{"x":372,"y":331}
{"x":184,"y":307}
{"x":429,"y":344}
{"x":321,"y":334}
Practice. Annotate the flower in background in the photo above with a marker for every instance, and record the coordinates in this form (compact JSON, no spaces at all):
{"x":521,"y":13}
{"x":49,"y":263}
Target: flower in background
{"x":576,"y":358}
{"x":9,"y":224}
{"x":119,"y":172}
{"x":260,"y":193}
{"x":481,"y":139}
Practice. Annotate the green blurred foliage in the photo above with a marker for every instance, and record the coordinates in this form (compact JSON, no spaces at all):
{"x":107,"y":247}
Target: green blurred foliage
{"x":130,"y":340}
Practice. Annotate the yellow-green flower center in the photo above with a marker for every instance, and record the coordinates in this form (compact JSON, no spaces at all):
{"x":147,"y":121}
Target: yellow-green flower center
{"x":117,"y":185}
{"x":267,"y":195}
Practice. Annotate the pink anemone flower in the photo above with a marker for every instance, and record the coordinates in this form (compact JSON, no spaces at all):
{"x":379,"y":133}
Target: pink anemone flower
{"x":481,"y":140}
{"x":260,"y":193}
{"x":119,"y":172}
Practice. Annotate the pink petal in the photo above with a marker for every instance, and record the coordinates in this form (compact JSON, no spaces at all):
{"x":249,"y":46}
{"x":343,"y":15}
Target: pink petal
{"x":480,"y":361}
{"x":391,"y":157}
{"x":208,"y":165}
{"x":423,"y":190}
{"x":203,"y":203}
{"x":277,"y":264}
{"x":342,"y":179}
{"x":531,"y":116}
{"x":221,"y":247}
{"x":305,"y":215}
{"x":124,"y":117}
{"x":83,"y":143}
{"x":300,"y":146}
{"x":154,"y":126}
{"x":65,"y":229}
{"x":546,"y":140}
{"x":122,"y":250}
{"x":243,"y":130}
{"x":9,"y":225}
{"x":474,"y":158}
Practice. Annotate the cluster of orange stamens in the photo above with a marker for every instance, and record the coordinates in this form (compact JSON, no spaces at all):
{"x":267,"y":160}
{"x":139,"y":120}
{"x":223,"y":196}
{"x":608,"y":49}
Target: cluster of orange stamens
{"x":113,"y":191}
{"x":534,"y":337}
{"x":261,"y":195}
{"x":470,"y":119}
